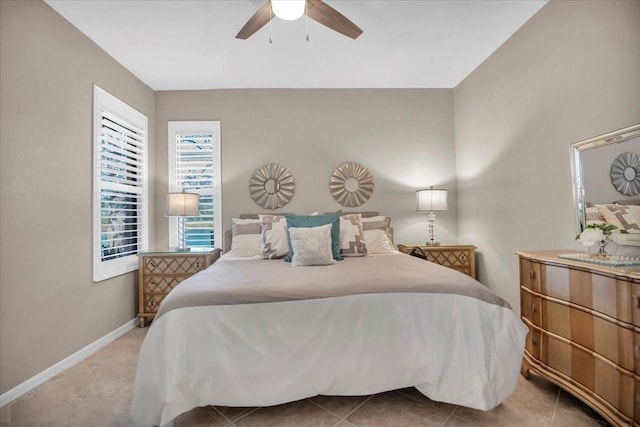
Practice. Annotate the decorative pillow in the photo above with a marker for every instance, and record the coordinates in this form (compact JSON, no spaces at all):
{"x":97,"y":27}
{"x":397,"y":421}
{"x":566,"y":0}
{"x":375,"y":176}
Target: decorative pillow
{"x":311,"y":245}
{"x":245,"y":241}
{"x":626,"y":217}
{"x":274,"y":242}
{"x":377,"y":234}
{"x":351,"y":236}
{"x":306,"y":221}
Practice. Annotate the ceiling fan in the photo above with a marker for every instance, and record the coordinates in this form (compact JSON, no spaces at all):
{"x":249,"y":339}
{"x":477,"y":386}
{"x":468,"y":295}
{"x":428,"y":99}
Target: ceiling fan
{"x":317,"y":10}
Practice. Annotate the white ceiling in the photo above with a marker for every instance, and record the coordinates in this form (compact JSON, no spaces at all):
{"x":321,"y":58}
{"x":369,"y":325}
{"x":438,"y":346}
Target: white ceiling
{"x":184,"y":44}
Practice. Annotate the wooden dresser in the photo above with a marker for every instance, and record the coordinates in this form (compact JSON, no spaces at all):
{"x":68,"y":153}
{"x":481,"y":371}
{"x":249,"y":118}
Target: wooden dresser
{"x":584,"y":331}
{"x":458,"y":257}
{"x":159,"y":272}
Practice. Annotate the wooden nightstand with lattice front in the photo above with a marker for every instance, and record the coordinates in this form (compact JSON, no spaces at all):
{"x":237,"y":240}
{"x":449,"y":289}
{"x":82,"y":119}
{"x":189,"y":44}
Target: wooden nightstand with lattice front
{"x":159,"y":272}
{"x":458,"y":257}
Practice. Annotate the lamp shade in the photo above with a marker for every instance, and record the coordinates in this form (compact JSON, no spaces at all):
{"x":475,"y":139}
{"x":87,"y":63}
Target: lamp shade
{"x":432,"y":200}
{"x":289,"y":10}
{"x":183,"y":204}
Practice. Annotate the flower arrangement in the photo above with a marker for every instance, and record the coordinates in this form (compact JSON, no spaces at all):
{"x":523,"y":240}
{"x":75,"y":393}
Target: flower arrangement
{"x":600,"y":233}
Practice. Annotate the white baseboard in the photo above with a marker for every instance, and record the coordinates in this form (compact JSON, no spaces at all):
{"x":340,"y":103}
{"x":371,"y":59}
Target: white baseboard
{"x":66,"y":363}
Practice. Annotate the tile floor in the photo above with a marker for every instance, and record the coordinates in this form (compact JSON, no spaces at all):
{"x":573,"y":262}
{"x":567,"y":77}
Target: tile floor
{"x":97,"y":393}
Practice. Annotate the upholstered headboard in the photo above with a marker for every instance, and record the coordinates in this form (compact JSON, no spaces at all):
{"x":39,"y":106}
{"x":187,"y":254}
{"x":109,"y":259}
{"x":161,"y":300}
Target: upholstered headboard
{"x":228,"y":234}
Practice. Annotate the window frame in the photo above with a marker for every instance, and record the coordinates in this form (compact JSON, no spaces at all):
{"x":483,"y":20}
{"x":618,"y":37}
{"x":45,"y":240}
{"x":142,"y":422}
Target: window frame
{"x":104,"y":102}
{"x":176,"y":128}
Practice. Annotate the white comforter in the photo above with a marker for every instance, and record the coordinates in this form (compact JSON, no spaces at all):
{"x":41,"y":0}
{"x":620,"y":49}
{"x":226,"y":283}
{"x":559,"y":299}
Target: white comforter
{"x":454,"y":348}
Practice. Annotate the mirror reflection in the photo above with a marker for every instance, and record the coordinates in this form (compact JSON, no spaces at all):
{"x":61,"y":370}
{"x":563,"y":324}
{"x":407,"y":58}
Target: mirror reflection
{"x":271,"y":186}
{"x":606,"y":180}
{"x":351,"y":184}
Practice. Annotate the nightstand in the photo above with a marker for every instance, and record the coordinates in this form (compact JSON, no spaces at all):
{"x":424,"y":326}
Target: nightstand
{"x":458,"y":257}
{"x":159,"y":272}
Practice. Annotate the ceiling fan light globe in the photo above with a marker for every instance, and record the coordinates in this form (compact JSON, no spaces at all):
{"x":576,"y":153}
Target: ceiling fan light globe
{"x":289,"y":10}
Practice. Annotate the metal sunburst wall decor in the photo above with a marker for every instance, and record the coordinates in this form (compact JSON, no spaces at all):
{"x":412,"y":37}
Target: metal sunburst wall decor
{"x":625,"y":173}
{"x":351,"y":184}
{"x":272,"y":186}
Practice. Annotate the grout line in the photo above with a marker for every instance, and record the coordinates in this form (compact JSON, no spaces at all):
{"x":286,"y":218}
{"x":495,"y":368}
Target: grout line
{"x":358,"y":407}
{"x":215,"y":408}
{"x":328,"y":410}
{"x":233,"y":423}
{"x":555,"y":406}
{"x":450,"y":415}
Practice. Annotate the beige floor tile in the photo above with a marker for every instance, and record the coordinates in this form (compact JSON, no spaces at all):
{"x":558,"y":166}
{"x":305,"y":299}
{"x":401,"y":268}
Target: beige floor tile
{"x":454,"y":421}
{"x":396,"y":409}
{"x":339,"y":405}
{"x":302,"y":413}
{"x":5,"y":415}
{"x":567,"y":402}
{"x":413,"y":393}
{"x":570,"y":419}
{"x":56,"y":400}
{"x":512,"y":412}
{"x":202,"y":416}
{"x":536,"y":389}
{"x":139,"y":333}
{"x":125,"y":348}
{"x":234,"y":413}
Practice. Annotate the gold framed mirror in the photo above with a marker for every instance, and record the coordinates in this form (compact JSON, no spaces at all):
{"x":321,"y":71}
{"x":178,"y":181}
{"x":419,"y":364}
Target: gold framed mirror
{"x":351,"y":184}
{"x":271,"y":186}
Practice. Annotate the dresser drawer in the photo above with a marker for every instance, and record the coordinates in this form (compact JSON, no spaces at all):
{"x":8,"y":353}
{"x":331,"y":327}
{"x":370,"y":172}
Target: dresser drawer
{"x":637,"y":401}
{"x":636,"y":352}
{"x":161,"y":284}
{"x":159,"y":264}
{"x":635,"y":303}
{"x":530,"y":307}
{"x":593,"y":332}
{"x":593,"y":373}
{"x":151,"y":302}
{"x":532,"y":344}
{"x":530,"y":276}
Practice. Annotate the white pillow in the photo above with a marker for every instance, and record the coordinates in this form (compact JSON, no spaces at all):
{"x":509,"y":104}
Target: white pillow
{"x":352,"y":236}
{"x":311,"y":245}
{"x":245,"y":241}
{"x":377,"y":235}
{"x":274,"y":242}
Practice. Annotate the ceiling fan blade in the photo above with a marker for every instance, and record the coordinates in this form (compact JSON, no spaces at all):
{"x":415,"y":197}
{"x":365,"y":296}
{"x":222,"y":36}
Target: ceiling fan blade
{"x":257,"y":21}
{"x":329,"y":17}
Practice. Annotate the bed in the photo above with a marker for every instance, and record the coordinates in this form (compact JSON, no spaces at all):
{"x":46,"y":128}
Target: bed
{"x":255,"y":332}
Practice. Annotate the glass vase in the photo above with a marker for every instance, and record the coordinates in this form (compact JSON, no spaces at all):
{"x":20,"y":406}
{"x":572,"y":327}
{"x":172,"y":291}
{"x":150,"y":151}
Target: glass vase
{"x":602,"y":253}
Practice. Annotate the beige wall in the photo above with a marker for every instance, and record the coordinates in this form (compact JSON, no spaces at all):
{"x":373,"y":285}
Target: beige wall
{"x":569,"y":73}
{"x":404,"y":137}
{"x":49,"y":306}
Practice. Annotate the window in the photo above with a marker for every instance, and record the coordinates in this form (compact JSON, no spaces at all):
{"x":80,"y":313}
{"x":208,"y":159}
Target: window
{"x":194,"y":167}
{"x":120,"y":195}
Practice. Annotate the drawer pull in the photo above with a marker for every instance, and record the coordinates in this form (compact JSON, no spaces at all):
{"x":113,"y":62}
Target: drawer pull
{"x":636,"y":350}
{"x":533,"y":308}
{"x":152,"y":264}
{"x":197,"y":264}
{"x":532,"y":274}
{"x":534,"y":341}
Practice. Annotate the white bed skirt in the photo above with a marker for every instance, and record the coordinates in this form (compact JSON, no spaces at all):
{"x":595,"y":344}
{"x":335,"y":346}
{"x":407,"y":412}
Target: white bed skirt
{"x":453,"y":348}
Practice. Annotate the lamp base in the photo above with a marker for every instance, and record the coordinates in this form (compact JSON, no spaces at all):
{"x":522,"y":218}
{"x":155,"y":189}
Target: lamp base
{"x":433,"y":243}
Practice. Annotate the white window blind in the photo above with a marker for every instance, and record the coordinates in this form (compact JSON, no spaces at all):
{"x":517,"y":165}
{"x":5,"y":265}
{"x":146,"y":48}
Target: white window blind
{"x":120,"y":193}
{"x":194,"y":167}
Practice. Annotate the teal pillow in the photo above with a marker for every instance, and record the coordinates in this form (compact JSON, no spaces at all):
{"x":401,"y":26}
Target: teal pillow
{"x":306,"y":221}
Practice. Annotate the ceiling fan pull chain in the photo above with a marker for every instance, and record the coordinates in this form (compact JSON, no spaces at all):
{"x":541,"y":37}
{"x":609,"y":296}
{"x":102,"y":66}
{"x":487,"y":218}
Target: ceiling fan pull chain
{"x":270,"y":19}
{"x":306,"y":17}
